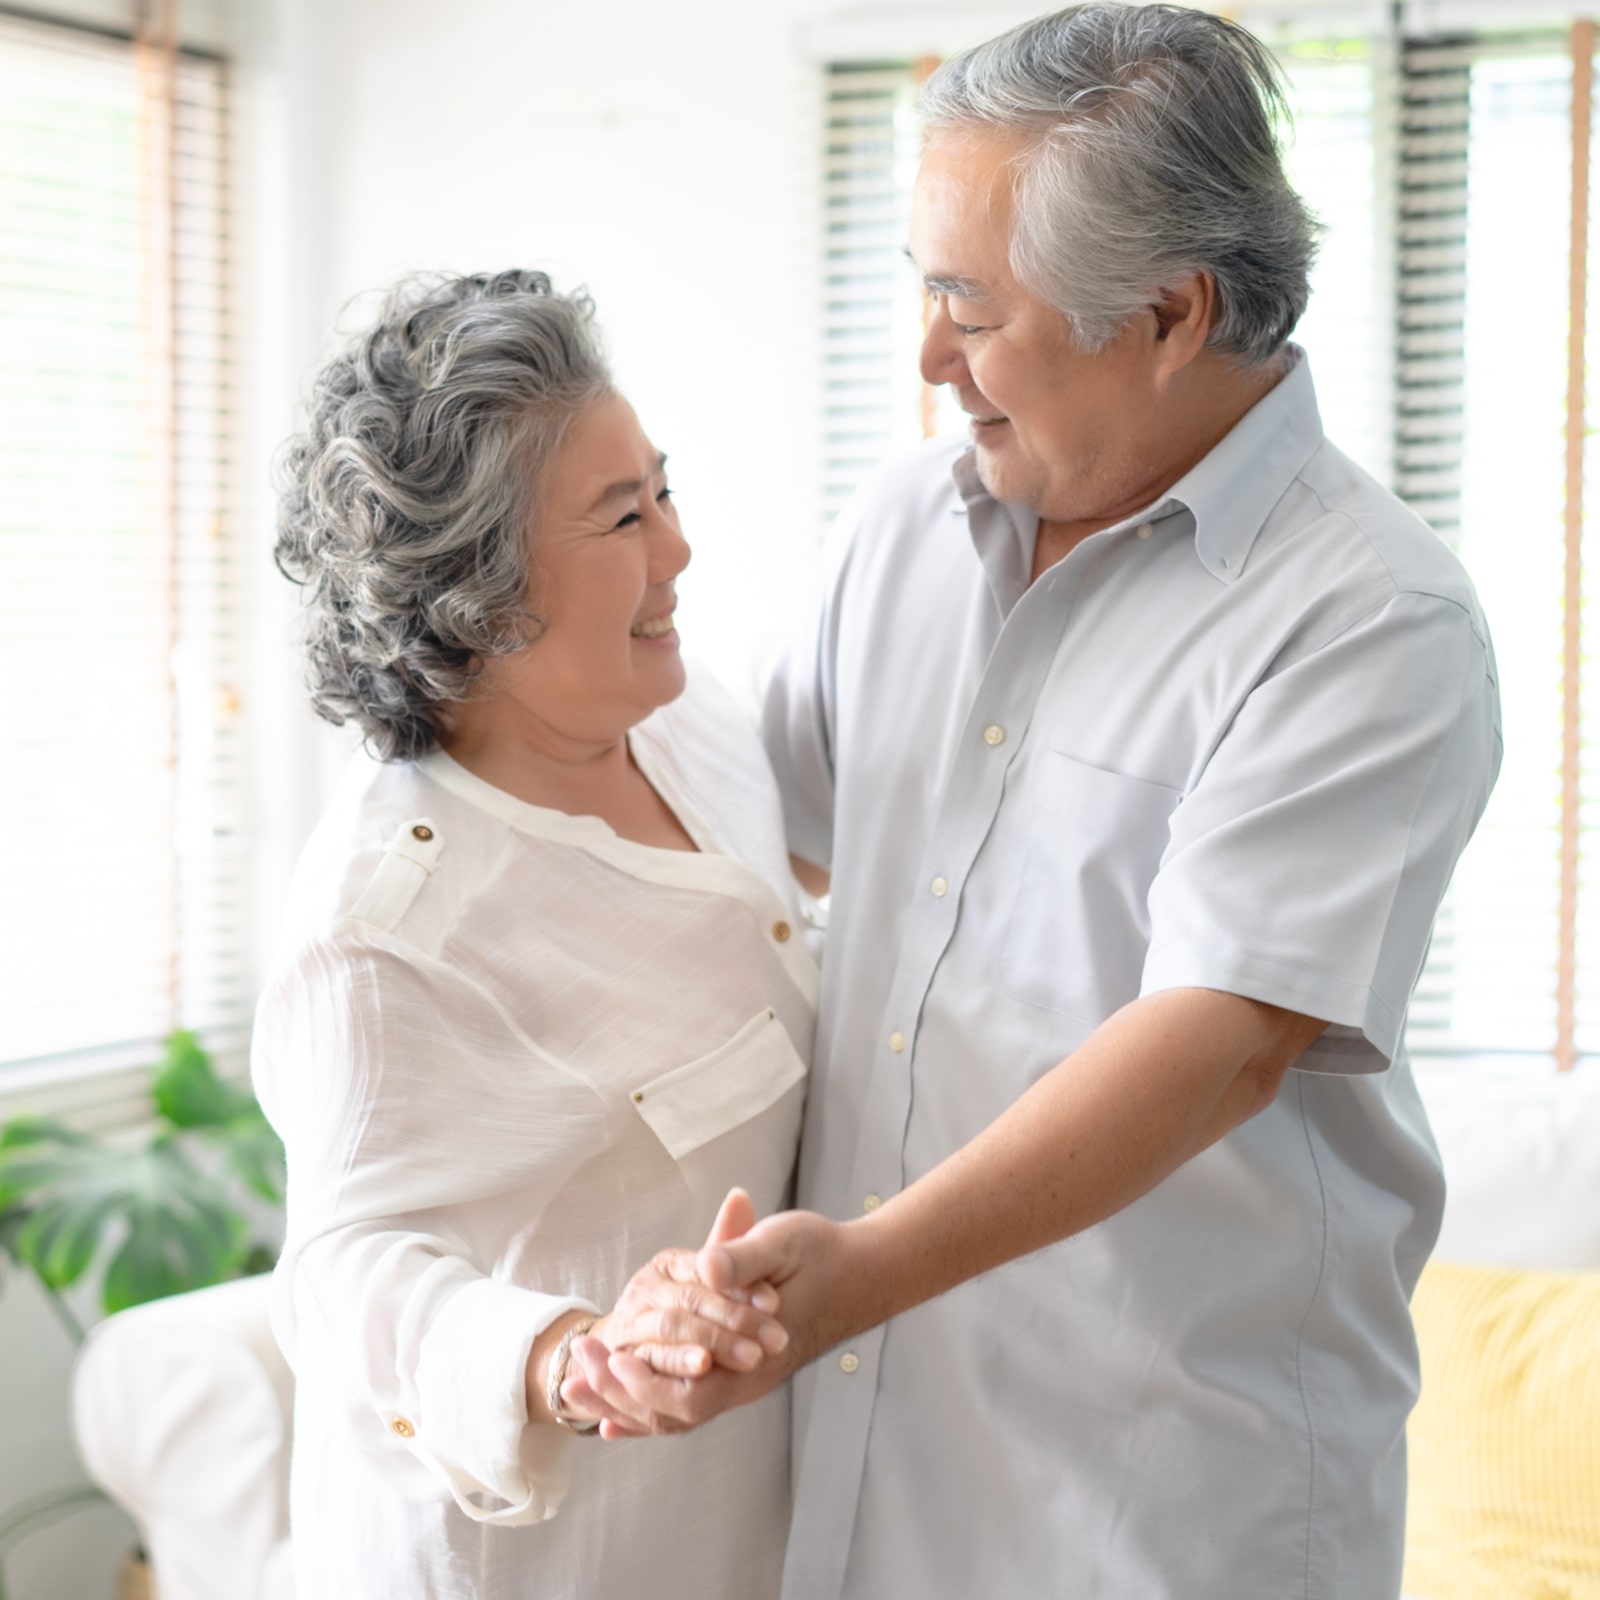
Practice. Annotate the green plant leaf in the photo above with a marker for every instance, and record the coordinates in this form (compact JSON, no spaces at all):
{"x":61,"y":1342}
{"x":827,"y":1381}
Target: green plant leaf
{"x":190,"y":1095}
{"x":179,"y":1228}
{"x":255,"y":1153}
{"x":188,"y":1092}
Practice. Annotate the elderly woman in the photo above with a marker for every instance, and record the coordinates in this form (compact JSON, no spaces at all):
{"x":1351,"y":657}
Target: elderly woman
{"x":539,"y":1005}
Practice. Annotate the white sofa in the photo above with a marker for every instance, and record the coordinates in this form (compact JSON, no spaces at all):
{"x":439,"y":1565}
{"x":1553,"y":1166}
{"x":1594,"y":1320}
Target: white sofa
{"x":182,"y":1413}
{"x":182,"y":1408}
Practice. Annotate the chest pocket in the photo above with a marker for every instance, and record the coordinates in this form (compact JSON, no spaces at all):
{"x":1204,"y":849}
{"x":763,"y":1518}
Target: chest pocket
{"x":1079,"y":929}
{"x":733,"y":1116}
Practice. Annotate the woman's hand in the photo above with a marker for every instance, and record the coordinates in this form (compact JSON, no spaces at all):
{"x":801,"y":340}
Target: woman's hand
{"x":820,"y":1266}
{"x":667,"y":1321}
{"x":668,"y":1318}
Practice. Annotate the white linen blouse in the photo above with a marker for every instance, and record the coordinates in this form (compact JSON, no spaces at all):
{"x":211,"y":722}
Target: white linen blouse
{"x":512,"y":1055}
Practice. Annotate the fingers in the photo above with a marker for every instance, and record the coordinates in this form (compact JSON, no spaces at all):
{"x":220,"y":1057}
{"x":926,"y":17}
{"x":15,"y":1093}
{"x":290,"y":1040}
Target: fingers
{"x":735,"y":1217}
{"x":740,"y":1309}
{"x":679,"y":1360}
{"x":683,"y":1326}
{"x":739,"y":1263}
{"x":580,"y":1400}
{"x":670,"y":1286}
{"x":647,"y":1404}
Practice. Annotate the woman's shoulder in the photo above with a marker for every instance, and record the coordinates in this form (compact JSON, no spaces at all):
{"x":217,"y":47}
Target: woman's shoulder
{"x":393,"y":853}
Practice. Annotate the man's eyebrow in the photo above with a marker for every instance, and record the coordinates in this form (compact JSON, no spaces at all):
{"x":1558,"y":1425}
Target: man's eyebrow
{"x":943,"y":283}
{"x":624,"y":487}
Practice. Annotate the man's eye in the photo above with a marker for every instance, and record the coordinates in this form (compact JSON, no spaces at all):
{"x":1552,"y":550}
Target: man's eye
{"x":627,"y":522}
{"x":967,"y":327}
{"x":663,"y":497}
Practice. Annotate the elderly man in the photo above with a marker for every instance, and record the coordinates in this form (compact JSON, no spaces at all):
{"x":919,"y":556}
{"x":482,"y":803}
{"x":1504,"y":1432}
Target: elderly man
{"x":1141,"y":734}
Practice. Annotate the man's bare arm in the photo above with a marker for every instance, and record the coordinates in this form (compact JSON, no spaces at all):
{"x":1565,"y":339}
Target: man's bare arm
{"x":1153,"y":1086}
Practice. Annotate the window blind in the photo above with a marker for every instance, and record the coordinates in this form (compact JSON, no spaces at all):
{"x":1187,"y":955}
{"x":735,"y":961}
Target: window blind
{"x":122,"y":779}
{"x":871,"y":301}
{"x":1437,"y":333}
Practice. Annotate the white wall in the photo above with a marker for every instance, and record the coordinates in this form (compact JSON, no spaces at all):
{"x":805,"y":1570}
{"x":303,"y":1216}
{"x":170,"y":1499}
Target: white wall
{"x":662,"y":155}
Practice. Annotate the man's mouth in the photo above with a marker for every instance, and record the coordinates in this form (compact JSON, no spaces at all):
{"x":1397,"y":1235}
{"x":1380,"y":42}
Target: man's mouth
{"x":654,"y":628}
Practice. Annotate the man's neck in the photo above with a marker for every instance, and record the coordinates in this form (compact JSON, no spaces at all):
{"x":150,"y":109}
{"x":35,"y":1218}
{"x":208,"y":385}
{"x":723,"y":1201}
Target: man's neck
{"x":1217,"y":400}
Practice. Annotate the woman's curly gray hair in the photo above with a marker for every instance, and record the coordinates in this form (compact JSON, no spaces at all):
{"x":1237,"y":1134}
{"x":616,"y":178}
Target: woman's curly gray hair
{"x":405,"y":506}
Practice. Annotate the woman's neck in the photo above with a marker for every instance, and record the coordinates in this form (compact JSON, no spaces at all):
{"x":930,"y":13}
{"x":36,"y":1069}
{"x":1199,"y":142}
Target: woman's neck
{"x":595,"y":777}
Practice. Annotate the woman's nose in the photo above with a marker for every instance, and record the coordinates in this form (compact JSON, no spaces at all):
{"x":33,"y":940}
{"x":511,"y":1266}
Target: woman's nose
{"x":669,"y":551}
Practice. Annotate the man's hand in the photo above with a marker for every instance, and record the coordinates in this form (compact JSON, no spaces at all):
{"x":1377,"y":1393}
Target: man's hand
{"x":669,"y":1326}
{"x":671,"y":1320}
{"x":1153,"y":1086}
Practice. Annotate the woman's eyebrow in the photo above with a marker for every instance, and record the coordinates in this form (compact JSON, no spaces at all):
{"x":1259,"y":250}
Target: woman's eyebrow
{"x":627,"y":487}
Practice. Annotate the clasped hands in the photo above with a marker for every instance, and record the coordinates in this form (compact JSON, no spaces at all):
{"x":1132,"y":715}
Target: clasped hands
{"x":697,"y":1332}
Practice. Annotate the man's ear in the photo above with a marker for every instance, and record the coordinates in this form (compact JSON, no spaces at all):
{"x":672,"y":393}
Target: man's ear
{"x":1184,"y":315}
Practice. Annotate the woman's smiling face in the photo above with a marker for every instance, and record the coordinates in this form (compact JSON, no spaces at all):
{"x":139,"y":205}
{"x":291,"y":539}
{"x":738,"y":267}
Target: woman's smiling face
{"x":605,"y":552}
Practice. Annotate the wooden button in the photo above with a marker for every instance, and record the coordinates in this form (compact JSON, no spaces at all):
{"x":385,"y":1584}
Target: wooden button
{"x":781,"y":932}
{"x":422,"y":831}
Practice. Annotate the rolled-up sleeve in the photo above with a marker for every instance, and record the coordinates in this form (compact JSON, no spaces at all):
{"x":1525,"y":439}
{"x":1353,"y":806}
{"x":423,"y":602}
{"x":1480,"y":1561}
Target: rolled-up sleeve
{"x":389,"y":1076}
{"x":1309,"y":858}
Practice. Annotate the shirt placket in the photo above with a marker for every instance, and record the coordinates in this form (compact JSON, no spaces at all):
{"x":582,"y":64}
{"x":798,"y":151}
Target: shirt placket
{"x":847,"y":1380}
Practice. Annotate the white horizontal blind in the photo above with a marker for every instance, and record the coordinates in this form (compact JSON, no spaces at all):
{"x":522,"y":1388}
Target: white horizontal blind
{"x":121,"y":778}
{"x":871,"y":300}
{"x":1337,"y":101}
{"x":1485,"y":163}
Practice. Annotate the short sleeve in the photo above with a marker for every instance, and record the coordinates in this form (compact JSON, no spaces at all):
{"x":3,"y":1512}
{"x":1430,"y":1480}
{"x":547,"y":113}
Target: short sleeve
{"x":1307,"y":862}
{"x":406,"y":1102}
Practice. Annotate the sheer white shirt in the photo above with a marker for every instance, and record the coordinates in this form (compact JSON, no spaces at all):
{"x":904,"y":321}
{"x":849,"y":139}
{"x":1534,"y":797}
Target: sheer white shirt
{"x":1235,"y":742}
{"x":511,"y":1055}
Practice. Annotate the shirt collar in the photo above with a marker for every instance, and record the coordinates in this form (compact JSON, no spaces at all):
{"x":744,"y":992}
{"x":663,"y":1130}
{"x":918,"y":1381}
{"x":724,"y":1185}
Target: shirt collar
{"x":1229,"y":492}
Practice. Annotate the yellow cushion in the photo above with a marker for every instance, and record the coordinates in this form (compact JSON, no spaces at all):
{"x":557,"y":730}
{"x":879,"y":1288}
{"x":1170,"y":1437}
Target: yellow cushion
{"x":1505,"y":1442}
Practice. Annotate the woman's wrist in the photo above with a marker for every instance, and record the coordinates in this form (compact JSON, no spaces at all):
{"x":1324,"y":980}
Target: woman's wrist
{"x":544,"y":1354}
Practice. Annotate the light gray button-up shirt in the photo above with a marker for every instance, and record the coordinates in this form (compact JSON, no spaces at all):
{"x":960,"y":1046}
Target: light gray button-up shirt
{"x":1236,"y":742}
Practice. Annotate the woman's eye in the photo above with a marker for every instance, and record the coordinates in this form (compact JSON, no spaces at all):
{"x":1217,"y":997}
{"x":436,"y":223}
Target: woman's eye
{"x":663,"y":497}
{"x":626,"y":522}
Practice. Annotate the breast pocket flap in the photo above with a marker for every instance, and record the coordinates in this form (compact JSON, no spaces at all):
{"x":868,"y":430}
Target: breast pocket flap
{"x":703,"y":1099}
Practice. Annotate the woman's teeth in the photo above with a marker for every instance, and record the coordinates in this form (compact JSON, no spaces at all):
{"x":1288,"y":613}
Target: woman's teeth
{"x":656,"y":628}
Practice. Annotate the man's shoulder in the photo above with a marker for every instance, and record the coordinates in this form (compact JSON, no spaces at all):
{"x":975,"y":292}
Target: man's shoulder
{"x":1337,"y":516}
{"x":912,"y":482}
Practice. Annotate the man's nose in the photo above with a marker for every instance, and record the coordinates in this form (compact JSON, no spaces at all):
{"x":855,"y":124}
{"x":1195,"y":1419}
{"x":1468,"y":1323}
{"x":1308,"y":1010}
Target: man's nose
{"x":942,"y":360}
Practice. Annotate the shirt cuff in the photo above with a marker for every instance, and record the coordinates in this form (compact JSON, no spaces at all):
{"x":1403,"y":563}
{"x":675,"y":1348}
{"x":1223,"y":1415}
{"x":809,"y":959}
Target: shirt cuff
{"x":472,"y":1387}
{"x":1363,"y":1034}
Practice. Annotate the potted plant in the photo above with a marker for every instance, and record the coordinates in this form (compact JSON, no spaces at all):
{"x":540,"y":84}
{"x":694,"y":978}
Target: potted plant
{"x":183,"y":1205}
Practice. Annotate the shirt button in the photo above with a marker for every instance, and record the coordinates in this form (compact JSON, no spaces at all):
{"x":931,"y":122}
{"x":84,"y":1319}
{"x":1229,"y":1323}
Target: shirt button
{"x":849,"y":1362}
{"x":1144,"y":530}
{"x":402,"y":1427}
{"x":940,"y":888}
{"x":871,"y":1202}
{"x":897,"y":1041}
{"x":994,"y":734}
{"x":422,"y":832}
{"x":781,"y":931}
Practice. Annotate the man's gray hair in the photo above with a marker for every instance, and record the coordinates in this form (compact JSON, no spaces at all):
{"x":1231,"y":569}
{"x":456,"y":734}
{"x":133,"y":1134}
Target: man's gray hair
{"x":405,"y":507}
{"x":1150,"y":155}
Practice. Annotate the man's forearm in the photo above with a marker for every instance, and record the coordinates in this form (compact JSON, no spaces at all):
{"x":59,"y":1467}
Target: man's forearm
{"x":1152,"y":1087}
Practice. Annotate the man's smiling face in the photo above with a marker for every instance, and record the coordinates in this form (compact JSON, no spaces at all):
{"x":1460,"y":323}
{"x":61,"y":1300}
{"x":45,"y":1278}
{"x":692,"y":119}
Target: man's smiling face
{"x":1071,"y":435}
